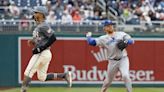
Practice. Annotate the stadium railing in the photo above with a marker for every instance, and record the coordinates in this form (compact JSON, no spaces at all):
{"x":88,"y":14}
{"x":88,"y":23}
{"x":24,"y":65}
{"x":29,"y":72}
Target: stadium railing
{"x":84,"y":26}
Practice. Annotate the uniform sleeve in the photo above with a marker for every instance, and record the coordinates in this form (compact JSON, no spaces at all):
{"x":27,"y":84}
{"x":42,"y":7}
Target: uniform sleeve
{"x":128,"y":38}
{"x":47,"y":35}
{"x":46,"y":31}
{"x":99,"y":41}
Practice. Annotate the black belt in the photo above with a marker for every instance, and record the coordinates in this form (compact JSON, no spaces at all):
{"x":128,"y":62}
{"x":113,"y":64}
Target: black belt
{"x":116,"y":59}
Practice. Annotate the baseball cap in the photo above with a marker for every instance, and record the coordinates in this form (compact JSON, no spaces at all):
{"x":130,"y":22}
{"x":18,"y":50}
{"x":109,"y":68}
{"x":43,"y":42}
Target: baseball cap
{"x":107,"y":22}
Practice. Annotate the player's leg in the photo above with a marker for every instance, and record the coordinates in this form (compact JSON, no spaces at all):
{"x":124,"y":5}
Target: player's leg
{"x":111,"y":71}
{"x":124,"y":69}
{"x":43,"y":67}
{"x":25,"y":83}
{"x":29,"y":72}
{"x":67,"y":76}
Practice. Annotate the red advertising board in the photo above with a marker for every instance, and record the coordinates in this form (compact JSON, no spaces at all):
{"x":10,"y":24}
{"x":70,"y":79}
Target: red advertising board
{"x":88,"y":64}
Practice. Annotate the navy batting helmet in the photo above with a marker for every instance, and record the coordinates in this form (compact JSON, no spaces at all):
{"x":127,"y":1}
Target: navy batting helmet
{"x":107,"y":22}
{"x":41,"y":9}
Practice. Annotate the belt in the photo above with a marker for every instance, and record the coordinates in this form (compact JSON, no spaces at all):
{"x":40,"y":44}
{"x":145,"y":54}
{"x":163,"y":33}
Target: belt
{"x":116,"y":59}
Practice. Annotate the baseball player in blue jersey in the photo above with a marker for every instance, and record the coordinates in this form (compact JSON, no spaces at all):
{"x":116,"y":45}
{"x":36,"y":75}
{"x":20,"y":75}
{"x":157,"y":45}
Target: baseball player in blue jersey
{"x":115,"y":43}
{"x":43,"y":38}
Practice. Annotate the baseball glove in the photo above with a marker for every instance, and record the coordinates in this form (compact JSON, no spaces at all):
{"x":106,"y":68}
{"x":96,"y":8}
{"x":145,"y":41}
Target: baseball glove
{"x":122,"y":45}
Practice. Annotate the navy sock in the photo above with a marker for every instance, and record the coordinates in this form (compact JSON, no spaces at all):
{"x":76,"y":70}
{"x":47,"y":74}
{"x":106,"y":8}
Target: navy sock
{"x":25,"y":83}
{"x":61,"y":75}
{"x":50,"y":77}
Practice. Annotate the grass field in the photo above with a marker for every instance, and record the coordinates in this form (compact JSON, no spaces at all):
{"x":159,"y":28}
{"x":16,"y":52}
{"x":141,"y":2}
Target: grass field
{"x":94,"y":89}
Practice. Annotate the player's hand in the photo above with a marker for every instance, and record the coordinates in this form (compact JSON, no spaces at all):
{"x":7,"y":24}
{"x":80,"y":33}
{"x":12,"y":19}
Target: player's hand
{"x":88,"y":34}
{"x":30,"y":43}
{"x":37,"y":50}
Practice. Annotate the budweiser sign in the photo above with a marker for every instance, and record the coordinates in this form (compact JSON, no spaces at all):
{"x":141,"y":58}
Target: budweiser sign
{"x":85,"y":62}
{"x":94,"y":74}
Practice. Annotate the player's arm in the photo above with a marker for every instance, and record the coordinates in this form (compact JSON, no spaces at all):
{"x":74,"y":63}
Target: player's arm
{"x":94,"y":41}
{"x":91,"y":41}
{"x":50,"y":34}
{"x":128,"y":40}
{"x":31,"y":43}
{"x":51,"y":40}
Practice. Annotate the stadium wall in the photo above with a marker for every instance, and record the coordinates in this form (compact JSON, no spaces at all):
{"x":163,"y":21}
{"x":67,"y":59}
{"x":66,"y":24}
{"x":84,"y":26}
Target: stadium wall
{"x":72,"y":53}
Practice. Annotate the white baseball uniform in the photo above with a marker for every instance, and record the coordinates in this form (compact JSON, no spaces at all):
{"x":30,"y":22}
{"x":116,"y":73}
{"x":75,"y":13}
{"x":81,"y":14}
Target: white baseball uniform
{"x":118,"y":60}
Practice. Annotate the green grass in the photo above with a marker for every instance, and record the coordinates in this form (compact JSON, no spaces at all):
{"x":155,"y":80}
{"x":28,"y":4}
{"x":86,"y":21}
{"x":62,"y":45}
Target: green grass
{"x":83,"y":89}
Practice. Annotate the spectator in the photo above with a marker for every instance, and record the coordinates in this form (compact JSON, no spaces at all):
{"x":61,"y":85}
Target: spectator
{"x":14,"y":10}
{"x":51,"y":17}
{"x":76,"y":17}
{"x":44,"y":2}
{"x":88,"y":13}
{"x":4,"y":3}
{"x":126,"y":14}
{"x":48,"y":5}
{"x":66,"y":18}
{"x":96,"y":15}
{"x":161,"y":6}
{"x":24,"y":24}
{"x":103,"y":16}
{"x":58,"y":8}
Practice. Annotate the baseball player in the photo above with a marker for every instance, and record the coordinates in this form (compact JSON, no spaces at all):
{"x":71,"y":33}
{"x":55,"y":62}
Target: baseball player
{"x":43,"y":38}
{"x":115,"y":43}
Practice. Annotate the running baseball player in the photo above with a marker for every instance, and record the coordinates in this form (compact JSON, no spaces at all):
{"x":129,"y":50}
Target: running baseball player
{"x":43,"y":38}
{"x":115,"y":43}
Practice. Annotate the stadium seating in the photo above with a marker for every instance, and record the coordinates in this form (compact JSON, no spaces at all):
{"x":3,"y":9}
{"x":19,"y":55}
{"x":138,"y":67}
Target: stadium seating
{"x":28,"y":3}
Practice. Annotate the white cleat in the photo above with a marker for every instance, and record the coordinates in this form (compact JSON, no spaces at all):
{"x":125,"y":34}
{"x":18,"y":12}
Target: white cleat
{"x":68,"y":78}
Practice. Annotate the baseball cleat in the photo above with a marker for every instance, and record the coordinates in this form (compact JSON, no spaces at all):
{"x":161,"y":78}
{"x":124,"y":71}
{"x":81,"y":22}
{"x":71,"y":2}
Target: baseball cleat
{"x":23,"y":89}
{"x":68,"y":78}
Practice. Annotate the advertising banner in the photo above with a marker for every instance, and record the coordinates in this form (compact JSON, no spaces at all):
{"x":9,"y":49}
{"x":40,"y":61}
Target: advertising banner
{"x":88,"y":64}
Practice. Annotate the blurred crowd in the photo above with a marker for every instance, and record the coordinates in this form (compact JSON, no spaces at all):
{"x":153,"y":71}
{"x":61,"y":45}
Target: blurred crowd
{"x":134,"y":11}
{"x":76,"y":11}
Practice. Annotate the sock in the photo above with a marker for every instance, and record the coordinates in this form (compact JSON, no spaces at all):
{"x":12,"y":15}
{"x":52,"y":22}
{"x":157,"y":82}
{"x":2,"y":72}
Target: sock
{"x":128,"y":86}
{"x":25,"y":83}
{"x":51,"y":76}
{"x":61,"y":75}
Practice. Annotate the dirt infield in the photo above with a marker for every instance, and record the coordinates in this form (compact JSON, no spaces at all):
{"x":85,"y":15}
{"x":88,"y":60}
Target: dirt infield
{"x":5,"y":88}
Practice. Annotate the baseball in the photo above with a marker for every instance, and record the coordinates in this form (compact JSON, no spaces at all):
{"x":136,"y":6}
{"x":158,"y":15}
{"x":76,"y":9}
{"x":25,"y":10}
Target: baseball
{"x":89,"y":34}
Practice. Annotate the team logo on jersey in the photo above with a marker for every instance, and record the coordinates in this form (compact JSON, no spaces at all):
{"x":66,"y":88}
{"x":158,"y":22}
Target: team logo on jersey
{"x":101,"y":55}
{"x":35,"y":33}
